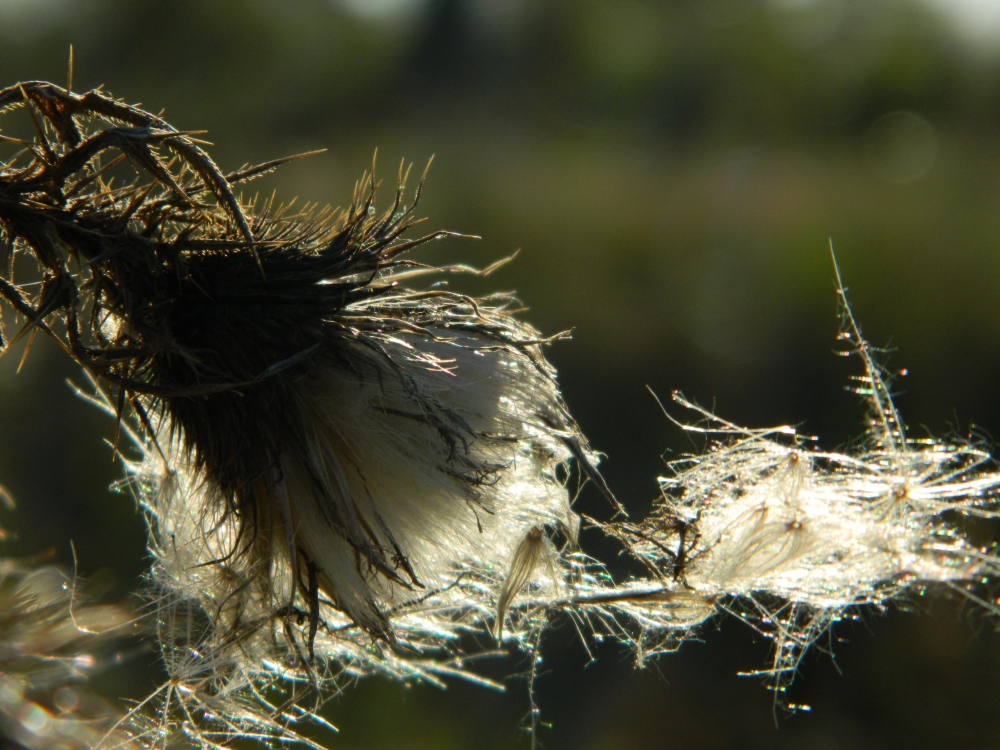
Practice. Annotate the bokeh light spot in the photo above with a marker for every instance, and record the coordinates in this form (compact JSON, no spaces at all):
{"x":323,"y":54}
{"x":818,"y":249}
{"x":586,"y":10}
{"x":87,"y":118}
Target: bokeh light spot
{"x":901,"y":146}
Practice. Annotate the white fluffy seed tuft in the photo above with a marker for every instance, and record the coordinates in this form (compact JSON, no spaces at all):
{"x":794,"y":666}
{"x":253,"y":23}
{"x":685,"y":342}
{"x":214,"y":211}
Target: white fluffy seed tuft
{"x":762,"y":524}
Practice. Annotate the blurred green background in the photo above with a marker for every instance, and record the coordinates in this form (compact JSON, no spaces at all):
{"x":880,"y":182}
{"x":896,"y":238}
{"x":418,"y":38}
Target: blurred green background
{"x":673,"y":173}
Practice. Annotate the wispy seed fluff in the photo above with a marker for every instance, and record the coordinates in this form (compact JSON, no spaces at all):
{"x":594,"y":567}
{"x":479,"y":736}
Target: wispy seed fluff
{"x":762,"y":524}
{"x":347,"y":471}
{"x":424,"y":457}
{"x":447,"y":453}
{"x":792,"y":538}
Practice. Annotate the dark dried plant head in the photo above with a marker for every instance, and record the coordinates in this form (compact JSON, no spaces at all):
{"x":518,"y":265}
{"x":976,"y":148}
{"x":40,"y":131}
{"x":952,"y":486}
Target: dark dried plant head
{"x":352,"y":439}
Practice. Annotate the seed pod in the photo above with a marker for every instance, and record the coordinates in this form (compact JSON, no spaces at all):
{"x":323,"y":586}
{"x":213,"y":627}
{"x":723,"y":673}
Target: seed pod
{"x":533,"y":548}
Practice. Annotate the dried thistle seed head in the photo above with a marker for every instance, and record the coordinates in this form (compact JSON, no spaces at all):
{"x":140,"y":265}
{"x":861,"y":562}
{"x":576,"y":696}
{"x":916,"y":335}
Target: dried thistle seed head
{"x":331,"y":454}
{"x":365,"y":437}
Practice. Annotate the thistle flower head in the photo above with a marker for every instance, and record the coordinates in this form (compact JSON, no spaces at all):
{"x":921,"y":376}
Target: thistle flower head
{"x":364,"y":436}
{"x":345,"y":473}
{"x":327,"y":448}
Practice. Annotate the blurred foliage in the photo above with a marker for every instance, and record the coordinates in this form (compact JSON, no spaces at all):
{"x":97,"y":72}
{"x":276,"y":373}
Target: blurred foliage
{"x":673,"y":172}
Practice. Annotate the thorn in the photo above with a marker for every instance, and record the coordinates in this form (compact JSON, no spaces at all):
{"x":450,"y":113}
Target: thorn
{"x":27,"y":348}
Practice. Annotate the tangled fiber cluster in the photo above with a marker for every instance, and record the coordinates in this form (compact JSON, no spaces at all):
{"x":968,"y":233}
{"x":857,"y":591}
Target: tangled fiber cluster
{"x":346,"y":474}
